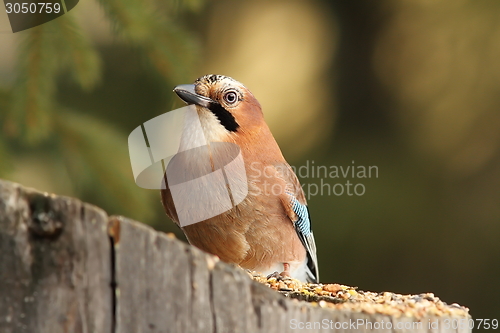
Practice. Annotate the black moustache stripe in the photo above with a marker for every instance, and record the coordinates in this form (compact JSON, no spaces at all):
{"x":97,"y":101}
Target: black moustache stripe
{"x":225,"y":117}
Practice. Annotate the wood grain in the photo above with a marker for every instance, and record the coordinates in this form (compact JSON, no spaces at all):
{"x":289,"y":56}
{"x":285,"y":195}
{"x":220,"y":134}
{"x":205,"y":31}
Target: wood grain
{"x":65,"y":266}
{"x":54,"y":264}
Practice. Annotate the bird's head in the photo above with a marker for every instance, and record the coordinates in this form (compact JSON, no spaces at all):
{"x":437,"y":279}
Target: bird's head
{"x":223,"y":102}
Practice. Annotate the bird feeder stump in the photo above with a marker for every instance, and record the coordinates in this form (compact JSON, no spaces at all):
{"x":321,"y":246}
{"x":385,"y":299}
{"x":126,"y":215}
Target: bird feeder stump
{"x":66,"y":266}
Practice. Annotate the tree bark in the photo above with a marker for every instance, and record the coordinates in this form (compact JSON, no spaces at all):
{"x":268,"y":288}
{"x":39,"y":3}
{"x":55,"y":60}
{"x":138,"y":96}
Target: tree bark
{"x":65,"y":266}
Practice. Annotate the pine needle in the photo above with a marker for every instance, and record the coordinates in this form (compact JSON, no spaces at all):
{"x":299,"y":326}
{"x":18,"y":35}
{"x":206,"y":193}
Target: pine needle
{"x":81,"y":58}
{"x":30,"y":114}
{"x":96,"y":157}
{"x":170,"y":48}
{"x":43,"y":53}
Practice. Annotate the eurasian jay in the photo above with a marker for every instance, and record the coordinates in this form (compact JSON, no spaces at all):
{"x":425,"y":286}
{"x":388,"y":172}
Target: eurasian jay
{"x":270,"y":230}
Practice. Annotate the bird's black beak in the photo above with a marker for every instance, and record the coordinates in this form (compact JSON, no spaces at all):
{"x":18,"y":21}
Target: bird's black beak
{"x":187,"y":94}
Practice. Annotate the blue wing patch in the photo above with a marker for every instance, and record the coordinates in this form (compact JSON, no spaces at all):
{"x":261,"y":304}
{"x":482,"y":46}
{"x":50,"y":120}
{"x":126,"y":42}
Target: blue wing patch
{"x":303,"y":223}
{"x":304,"y":231}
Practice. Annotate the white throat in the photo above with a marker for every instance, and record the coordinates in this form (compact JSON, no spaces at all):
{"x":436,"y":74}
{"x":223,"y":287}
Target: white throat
{"x":200,"y":128}
{"x":214,"y":131}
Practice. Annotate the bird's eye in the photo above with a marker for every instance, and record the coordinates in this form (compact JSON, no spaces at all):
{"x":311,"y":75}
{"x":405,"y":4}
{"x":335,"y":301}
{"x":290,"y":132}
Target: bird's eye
{"x":230,"y":97}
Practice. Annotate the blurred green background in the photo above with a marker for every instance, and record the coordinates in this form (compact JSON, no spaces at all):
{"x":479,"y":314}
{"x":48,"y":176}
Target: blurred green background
{"x":412,"y":87}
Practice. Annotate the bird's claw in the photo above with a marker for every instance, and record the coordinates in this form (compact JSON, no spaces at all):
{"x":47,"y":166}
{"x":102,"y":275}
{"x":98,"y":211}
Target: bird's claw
{"x":285,"y":274}
{"x":279,"y":276}
{"x":275,"y":275}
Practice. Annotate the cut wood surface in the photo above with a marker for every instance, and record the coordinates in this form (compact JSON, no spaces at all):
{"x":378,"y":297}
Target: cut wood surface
{"x":65,"y":266}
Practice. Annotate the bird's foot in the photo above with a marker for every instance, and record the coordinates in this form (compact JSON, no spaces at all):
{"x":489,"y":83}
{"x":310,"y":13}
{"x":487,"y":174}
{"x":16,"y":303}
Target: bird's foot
{"x":275,"y":275}
{"x":278,"y":276}
{"x":286,"y":271}
{"x":283,"y":275}
{"x":286,"y":275}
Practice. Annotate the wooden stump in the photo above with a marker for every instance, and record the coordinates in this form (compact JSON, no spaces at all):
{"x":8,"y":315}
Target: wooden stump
{"x":65,"y":266}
